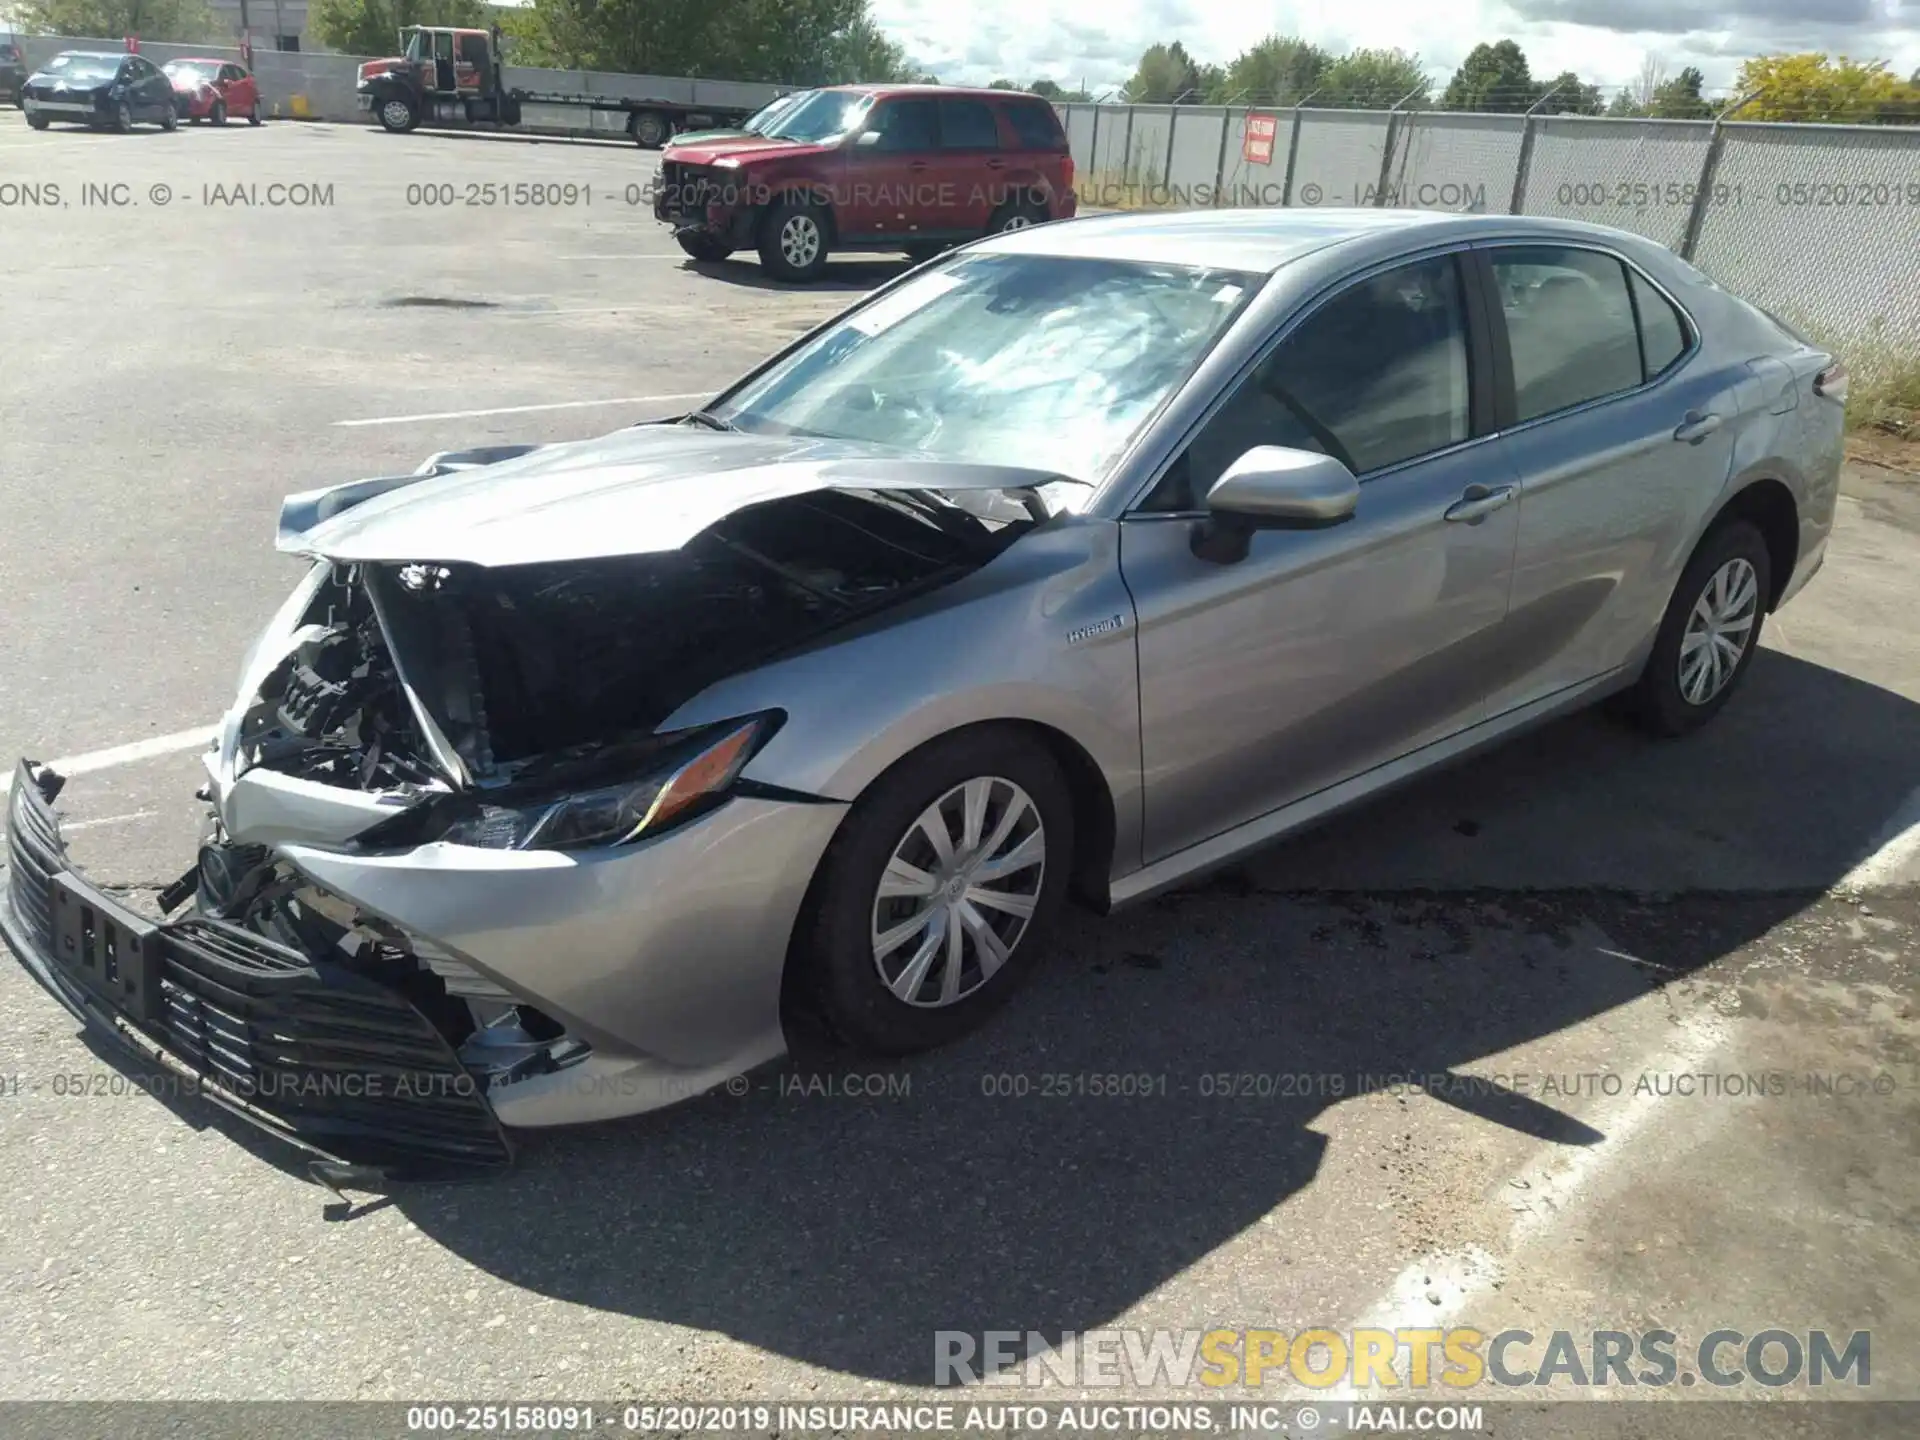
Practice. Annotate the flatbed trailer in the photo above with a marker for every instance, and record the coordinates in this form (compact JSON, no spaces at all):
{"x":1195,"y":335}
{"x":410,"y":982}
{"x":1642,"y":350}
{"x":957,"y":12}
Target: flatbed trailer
{"x":452,"y":78}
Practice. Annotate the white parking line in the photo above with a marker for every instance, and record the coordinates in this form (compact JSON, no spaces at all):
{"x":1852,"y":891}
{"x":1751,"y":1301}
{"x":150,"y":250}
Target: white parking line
{"x":521,"y":409}
{"x":129,"y":754}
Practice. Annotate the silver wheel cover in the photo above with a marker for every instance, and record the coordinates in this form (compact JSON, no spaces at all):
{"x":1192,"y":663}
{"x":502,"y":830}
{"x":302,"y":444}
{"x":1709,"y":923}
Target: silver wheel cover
{"x":1719,"y":629}
{"x":958,"y":893}
{"x":800,"y":241}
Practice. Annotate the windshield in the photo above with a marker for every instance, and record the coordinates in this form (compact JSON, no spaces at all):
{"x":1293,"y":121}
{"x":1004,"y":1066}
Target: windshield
{"x":823,"y":115}
{"x":84,"y":67}
{"x":1042,"y":361}
{"x":192,"y":70}
{"x":767,"y":114}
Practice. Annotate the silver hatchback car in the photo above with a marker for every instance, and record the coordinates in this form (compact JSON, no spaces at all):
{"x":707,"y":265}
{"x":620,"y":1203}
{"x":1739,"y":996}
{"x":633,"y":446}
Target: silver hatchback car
{"x":1073,"y":563}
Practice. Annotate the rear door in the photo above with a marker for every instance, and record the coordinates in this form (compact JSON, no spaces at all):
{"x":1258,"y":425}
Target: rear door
{"x":970,"y":166}
{"x":1622,"y":442}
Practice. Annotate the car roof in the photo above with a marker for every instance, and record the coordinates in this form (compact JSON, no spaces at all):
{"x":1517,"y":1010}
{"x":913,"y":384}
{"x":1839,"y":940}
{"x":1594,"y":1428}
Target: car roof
{"x":94,"y":54}
{"x":199,"y":60}
{"x":982,"y":92}
{"x":1265,"y":239}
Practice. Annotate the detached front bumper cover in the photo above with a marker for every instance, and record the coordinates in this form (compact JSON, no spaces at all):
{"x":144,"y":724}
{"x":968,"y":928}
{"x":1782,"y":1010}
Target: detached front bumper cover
{"x":316,"y":1055}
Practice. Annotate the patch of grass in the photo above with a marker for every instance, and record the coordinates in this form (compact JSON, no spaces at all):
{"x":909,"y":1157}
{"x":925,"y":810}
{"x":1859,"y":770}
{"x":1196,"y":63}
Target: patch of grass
{"x":1883,"y":387}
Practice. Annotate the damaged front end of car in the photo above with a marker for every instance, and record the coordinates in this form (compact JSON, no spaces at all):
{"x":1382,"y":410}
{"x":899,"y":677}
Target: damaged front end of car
{"x":464,"y":871}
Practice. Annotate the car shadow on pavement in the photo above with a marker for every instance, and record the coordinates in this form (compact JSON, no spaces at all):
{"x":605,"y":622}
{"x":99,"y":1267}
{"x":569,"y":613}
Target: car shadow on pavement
{"x":857,"y":276}
{"x":840,"y":1212}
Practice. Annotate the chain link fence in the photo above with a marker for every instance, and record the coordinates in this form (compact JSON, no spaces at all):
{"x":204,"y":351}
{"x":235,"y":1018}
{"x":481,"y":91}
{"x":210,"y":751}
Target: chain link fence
{"x":1818,"y":223}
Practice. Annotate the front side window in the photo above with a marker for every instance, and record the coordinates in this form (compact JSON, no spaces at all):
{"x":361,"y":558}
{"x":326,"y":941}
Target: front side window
{"x":1041,"y":361}
{"x":1569,"y":326}
{"x":1376,"y":376}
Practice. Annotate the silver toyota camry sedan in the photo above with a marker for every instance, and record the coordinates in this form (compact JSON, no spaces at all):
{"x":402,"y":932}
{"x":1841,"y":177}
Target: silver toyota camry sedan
{"x":1066,"y":566}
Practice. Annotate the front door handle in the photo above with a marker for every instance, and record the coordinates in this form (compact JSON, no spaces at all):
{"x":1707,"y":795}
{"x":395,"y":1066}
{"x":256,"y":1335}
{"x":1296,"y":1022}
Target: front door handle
{"x":1696,"y":427}
{"x":1479,"y":501}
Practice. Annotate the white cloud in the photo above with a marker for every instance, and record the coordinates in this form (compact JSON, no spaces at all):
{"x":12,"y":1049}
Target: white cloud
{"x":1098,"y":41}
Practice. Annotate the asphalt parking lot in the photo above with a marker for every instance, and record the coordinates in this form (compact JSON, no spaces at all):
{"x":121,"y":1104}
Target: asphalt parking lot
{"x":1578,"y":905}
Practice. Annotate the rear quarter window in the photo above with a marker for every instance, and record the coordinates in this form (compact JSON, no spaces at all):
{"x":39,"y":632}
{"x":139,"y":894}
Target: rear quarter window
{"x":1035,"y":125}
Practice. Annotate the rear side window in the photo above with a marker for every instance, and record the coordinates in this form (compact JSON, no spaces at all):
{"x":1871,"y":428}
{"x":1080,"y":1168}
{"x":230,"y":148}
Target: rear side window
{"x":1570,"y":327}
{"x":1663,"y":334}
{"x":967,"y":125}
{"x":1036,"y":125}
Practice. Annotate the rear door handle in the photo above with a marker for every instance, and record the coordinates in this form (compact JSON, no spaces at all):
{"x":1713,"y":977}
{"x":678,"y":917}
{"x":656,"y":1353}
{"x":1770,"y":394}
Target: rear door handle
{"x":996,"y":164}
{"x":1696,"y":426}
{"x":916,"y":165}
{"x":1479,"y":501}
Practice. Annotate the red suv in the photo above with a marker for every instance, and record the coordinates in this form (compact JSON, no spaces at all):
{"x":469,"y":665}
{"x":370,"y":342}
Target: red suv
{"x":870,"y":167}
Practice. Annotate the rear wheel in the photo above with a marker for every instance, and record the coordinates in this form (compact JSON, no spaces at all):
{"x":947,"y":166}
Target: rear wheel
{"x":1710,"y":631}
{"x":219,"y":115}
{"x":931,"y":901}
{"x":170,"y":120}
{"x":397,"y":114}
{"x":1017,"y":214}
{"x":793,"y":239}
{"x":650,"y":129}
{"x":704,"y":247}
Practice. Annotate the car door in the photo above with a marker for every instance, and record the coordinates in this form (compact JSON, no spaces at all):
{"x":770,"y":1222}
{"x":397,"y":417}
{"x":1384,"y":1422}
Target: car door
{"x":970,"y":166}
{"x":151,"y":91}
{"x":1621,"y":444}
{"x":239,"y":90}
{"x":890,"y":170}
{"x":1324,"y":653}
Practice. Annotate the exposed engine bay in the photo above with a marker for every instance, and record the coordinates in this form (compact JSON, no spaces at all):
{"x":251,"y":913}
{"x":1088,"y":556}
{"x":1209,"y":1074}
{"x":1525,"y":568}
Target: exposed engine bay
{"x":448,"y":687}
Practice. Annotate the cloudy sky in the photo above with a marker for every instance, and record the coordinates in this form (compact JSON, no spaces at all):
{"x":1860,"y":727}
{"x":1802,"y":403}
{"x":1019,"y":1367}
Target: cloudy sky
{"x":1603,"y":40}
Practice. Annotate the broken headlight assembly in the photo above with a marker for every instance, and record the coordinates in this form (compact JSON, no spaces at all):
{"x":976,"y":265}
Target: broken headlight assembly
{"x":664,"y":782}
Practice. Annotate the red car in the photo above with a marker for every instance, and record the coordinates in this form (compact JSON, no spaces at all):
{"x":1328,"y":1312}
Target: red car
{"x":213,"y":90}
{"x":870,"y":167}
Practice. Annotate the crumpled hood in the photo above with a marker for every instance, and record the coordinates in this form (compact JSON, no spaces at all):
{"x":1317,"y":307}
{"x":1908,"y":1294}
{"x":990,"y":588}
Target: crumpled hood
{"x":752,"y":150}
{"x":638,"y":491}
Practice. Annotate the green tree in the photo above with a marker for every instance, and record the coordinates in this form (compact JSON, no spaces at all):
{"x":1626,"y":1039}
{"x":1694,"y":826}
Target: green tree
{"x":1280,"y":70}
{"x":1624,"y":106}
{"x":1493,"y":78}
{"x":1814,"y":88}
{"x":797,"y":42}
{"x":1374,"y":80}
{"x":865,"y":53}
{"x":1680,"y":98}
{"x":372,"y":27}
{"x":1567,"y":94}
{"x":161,"y":20}
{"x":1002,"y":85}
{"x":1046,"y":89}
{"x":1166,"y":73}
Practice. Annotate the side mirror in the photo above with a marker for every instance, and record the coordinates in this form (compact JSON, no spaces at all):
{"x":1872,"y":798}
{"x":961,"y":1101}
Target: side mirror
{"x":868,"y":137}
{"x":1272,"y":487}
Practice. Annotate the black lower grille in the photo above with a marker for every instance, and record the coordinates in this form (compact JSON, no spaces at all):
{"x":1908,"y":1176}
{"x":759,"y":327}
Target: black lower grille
{"x":325,"y":1056}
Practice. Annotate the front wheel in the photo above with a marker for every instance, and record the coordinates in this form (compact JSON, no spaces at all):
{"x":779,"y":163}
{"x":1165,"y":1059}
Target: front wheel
{"x":1710,"y":631}
{"x":219,"y":116}
{"x":397,"y":115}
{"x":123,"y":118}
{"x":253,"y":115}
{"x":929,"y":905}
{"x":793,"y":240}
{"x":38,"y":122}
{"x":704,"y":247}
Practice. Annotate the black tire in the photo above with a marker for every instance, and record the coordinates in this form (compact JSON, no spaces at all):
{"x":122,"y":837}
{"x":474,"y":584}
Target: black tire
{"x":650,"y":129}
{"x":171,"y":120}
{"x":782,"y":251}
{"x":218,"y":115}
{"x":1657,"y":702}
{"x":921,"y":251}
{"x":253,"y":115}
{"x":834,"y":961}
{"x":397,"y":114}
{"x":1017,"y":214}
{"x":38,"y":122}
{"x":123,"y":119}
{"x":704,"y":247}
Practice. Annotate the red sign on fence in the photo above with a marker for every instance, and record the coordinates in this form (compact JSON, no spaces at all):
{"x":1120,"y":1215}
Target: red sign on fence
{"x":1257,"y":148}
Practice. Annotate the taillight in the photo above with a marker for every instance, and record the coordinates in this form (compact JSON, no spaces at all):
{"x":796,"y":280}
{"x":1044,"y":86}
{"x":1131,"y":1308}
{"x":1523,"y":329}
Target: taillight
{"x":1068,"y":173}
{"x":1832,"y":382}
